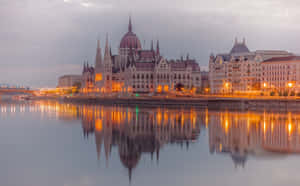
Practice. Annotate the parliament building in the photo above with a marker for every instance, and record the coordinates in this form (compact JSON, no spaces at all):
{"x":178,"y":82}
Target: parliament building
{"x":138,"y":70}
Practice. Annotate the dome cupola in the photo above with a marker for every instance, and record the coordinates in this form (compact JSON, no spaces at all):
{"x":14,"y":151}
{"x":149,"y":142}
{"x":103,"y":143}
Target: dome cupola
{"x":130,"y":40}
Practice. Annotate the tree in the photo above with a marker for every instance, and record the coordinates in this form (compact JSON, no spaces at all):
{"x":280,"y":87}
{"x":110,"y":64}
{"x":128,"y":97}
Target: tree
{"x":179,"y":87}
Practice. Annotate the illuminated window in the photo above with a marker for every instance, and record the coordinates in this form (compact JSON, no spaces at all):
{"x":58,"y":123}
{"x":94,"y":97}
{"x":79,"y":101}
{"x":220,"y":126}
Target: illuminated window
{"x":166,"y":88}
{"x":159,"y":88}
{"x":98,"y":77}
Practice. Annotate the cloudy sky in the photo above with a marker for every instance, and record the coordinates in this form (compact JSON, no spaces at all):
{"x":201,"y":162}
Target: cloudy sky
{"x":43,"y":39}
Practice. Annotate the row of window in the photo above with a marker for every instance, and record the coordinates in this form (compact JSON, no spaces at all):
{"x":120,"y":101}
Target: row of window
{"x":161,"y":76}
{"x":142,"y":86}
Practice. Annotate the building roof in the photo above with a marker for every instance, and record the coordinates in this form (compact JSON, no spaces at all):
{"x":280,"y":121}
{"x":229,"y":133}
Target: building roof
{"x":283,"y":59}
{"x":144,"y":66}
{"x":146,"y":54}
{"x":130,"y":40}
{"x":239,"y":48}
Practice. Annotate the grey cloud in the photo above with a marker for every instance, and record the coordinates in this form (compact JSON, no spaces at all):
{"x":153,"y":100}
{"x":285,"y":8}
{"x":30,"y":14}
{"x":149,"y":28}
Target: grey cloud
{"x":50,"y":33}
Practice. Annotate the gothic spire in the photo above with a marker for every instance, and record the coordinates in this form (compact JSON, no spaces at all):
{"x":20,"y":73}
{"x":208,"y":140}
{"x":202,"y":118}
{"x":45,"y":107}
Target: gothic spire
{"x":157,"y":48}
{"x":129,"y":25}
{"x":98,"y":61}
{"x":152,"y":49}
{"x":84,"y":67}
{"x":107,"y":56}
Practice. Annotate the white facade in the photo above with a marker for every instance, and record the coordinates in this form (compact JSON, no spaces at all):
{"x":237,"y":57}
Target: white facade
{"x":281,"y":74}
{"x":240,"y":70}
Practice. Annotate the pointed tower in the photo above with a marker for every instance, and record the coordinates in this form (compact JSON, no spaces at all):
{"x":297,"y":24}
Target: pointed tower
{"x":107,"y":56}
{"x":84,"y":67}
{"x":157,"y":48}
{"x":152,"y":49}
{"x":130,"y":25}
{"x":107,"y":71}
{"x":98,"y":60}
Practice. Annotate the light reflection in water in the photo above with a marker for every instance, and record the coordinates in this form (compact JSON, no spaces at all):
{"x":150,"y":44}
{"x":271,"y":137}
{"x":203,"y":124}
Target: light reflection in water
{"x":135,"y":131}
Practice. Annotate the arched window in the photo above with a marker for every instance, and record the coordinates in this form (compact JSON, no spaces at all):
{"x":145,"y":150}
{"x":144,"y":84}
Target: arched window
{"x":133,"y":76}
{"x":147,"y":76}
{"x":174,"y":76}
{"x":142,"y":76}
{"x":151,"y":76}
{"x":138,"y":76}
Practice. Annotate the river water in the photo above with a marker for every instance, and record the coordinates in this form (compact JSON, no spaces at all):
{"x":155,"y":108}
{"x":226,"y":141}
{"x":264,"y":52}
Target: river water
{"x":50,"y":143}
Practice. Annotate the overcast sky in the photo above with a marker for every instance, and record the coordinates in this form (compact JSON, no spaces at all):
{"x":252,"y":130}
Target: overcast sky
{"x":43,"y":39}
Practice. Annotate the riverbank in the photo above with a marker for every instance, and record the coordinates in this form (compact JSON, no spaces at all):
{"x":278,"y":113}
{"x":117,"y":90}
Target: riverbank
{"x":210,"y":102}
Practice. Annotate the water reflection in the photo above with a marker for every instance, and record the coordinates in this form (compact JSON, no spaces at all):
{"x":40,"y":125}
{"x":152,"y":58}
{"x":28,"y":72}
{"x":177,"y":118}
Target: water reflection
{"x":136,"y":131}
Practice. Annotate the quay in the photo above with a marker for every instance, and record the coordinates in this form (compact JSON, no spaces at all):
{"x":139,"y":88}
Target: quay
{"x":209,"y":102}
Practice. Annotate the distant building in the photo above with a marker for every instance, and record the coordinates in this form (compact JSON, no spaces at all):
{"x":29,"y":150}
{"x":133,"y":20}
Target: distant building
{"x":239,"y":70}
{"x":204,"y":82}
{"x":281,"y":74}
{"x":138,"y":70}
{"x":68,"y":80}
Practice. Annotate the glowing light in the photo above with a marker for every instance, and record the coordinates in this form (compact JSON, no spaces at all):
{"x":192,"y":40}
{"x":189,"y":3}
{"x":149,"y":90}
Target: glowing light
{"x":290,"y":85}
{"x":99,"y":125}
{"x":265,"y":85}
{"x":98,"y":77}
{"x":159,"y":88}
{"x":166,"y":88}
{"x":290,"y":128}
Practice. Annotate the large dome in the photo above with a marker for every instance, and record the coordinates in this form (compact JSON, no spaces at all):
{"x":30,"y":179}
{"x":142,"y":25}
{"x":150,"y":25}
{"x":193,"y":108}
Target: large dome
{"x":130,"y":40}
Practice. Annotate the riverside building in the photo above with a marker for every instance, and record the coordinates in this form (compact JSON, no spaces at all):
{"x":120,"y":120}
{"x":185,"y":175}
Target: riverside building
{"x":281,"y":74}
{"x":138,"y":70}
{"x":239,"y":71}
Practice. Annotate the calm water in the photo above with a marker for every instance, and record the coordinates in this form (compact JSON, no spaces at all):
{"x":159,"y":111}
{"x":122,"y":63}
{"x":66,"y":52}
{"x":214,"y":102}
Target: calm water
{"x":48,"y":143}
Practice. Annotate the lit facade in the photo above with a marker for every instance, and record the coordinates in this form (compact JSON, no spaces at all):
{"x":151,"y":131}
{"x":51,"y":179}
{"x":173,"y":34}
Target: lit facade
{"x":137,"y":70}
{"x":239,"y":71}
{"x":281,"y":74}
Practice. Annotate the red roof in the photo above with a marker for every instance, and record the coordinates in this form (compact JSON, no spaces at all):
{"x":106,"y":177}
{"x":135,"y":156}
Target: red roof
{"x":281,"y":59}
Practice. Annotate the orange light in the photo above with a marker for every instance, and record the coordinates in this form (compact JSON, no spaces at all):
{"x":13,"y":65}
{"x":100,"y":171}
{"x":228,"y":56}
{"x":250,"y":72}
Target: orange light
{"x":166,"y":88}
{"x":98,"y":125}
{"x":290,"y":84}
{"x":159,"y":88}
{"x":265,"y":85}
{"x":98,"y":77}
{"x":290,"y":128}
{"x":226,"y":85}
